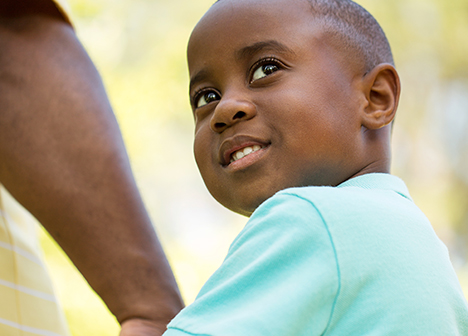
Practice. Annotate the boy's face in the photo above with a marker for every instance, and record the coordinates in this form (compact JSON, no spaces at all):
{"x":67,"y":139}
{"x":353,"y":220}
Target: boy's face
{"x":265,"y":82}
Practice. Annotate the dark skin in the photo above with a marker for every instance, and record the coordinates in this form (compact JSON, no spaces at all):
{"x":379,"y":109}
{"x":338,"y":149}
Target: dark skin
{"x":307,"y":114}
{"x":62,"y":157}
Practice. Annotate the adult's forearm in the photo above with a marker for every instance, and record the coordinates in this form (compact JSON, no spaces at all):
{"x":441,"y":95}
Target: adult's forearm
{"x":63,"y":158}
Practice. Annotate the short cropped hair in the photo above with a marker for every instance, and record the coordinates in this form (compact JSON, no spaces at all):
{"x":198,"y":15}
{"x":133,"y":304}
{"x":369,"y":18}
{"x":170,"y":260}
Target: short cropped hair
{"x":353,"y":31}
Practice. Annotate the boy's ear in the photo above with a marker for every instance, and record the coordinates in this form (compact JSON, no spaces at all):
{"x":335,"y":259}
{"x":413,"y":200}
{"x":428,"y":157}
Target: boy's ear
{"x":382,"y":93}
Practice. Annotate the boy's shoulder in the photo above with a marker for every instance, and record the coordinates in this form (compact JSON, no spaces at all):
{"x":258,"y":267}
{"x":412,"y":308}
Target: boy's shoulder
{"x":357,"y":213}
{"x":360,"y":211}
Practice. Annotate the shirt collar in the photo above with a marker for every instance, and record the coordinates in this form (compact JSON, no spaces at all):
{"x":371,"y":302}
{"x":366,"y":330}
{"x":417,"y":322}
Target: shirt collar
{"x":378,"y":181}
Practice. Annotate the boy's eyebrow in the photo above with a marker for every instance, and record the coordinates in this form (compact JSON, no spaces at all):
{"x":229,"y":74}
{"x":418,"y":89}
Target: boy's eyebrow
{"x":252,"y":49}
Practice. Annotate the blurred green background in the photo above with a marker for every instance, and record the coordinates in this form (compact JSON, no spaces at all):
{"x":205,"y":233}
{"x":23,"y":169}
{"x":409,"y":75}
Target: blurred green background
{"x":139,"y":48}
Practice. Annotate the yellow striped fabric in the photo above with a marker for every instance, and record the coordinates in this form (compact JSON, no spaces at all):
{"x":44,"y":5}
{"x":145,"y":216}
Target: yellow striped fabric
{"x":28,"y":305}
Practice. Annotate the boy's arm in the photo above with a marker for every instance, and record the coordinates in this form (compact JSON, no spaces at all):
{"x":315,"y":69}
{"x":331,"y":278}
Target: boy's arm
{"x":63,"y":158}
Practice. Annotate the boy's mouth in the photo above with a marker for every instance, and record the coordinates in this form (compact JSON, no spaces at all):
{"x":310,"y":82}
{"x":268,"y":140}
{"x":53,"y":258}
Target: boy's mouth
{"x":239,"y":154}
{"x":238,"y":148}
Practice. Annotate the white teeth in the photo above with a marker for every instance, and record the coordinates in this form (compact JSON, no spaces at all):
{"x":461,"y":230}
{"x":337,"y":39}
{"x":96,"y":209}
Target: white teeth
{"x":244,"y":152}
{"x":247,"y":150}
{"x":238,"y":155}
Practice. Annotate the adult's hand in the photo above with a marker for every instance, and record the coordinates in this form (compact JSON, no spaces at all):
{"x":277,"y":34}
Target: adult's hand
{"x":139,"y":327}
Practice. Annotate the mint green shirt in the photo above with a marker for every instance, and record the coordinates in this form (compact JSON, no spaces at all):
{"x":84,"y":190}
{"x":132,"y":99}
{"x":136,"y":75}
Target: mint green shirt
{"x":357,"y":259}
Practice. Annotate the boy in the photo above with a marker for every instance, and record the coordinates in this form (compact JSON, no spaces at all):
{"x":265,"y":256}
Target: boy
{"x":293,"y":104}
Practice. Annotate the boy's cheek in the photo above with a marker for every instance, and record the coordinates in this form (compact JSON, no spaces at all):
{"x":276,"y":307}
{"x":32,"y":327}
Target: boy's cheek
{"x":201,"y":122}
{"x":205,"y":155}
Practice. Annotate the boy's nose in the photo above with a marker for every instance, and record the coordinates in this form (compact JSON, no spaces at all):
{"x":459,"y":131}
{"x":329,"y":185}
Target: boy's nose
{"x":231,"y":111}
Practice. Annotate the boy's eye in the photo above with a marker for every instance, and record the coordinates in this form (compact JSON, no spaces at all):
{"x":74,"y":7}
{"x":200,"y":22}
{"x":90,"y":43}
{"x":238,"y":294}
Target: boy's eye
{"x":206,"y":98}
{"x":263,"y":71}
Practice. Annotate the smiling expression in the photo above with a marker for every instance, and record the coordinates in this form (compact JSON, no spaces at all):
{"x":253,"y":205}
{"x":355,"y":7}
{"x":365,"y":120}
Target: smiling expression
{"x":274,"y":104}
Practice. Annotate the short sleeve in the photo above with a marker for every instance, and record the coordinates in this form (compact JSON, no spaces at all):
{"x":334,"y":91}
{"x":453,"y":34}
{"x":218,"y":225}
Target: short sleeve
{"x":280,"y":277}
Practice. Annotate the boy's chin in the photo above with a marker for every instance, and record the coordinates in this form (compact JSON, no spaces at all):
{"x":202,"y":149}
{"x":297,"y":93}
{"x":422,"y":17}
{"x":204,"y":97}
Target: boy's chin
{"x":241,"y":209}
{"x":245,"y":206}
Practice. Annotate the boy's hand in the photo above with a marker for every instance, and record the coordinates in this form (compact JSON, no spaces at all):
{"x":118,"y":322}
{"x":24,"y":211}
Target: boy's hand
{"x":140,"y":327}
